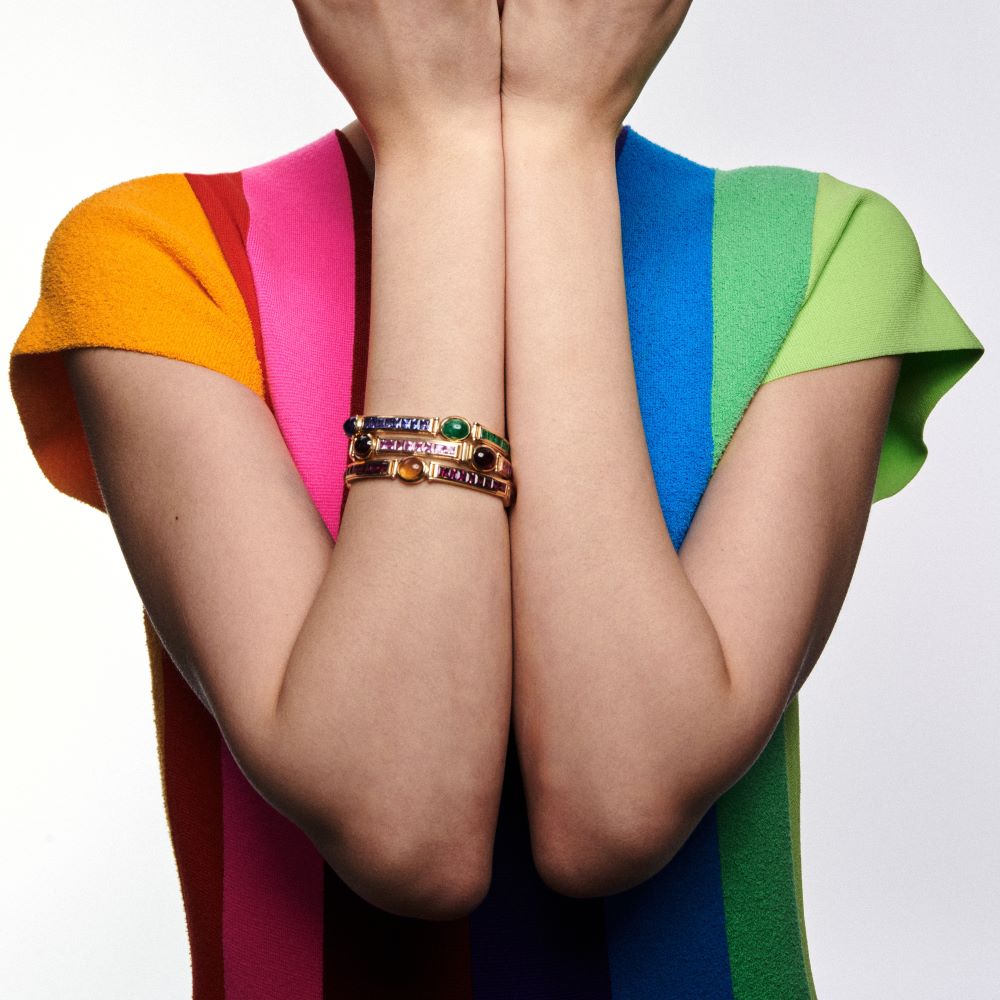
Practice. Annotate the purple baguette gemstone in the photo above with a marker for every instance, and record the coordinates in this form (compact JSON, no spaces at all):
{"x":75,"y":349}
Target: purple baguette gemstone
{"x":368,"y":468}
{"x":460,"y":475}
{"x":470,"y":477}
{"x":397,"y":423}
{"x":412,"y":446}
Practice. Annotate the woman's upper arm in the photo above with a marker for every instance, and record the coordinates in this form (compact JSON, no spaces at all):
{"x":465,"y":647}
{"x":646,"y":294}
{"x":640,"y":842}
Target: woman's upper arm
{"x":774,"y":542}
{"x":836,"y":425}
{"x":225,"y":546}
{"x":139,"y":387}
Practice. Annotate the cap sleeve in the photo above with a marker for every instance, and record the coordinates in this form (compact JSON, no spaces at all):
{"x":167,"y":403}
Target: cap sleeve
{"x":137,"y":267}
{"x":869,"y":295}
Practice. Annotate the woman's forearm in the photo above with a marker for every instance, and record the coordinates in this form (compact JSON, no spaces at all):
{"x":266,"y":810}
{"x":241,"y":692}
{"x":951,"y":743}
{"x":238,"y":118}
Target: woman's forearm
{"x":437,"y":315}
{"x":399,"y":683}
{"x":617,"y":665}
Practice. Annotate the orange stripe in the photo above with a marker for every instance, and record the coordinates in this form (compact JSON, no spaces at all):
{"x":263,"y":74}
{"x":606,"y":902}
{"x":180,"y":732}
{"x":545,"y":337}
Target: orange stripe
{"x":135,"y":266}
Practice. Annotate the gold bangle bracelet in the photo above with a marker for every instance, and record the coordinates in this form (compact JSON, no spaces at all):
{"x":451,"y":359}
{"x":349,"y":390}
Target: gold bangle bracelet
{"x":414,"y":469}
{"x":477,"y":455}
{"x":451,"y":428}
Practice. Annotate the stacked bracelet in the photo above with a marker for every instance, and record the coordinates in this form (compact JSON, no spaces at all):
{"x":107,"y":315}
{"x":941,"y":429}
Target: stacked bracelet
{"x":474,"y":456}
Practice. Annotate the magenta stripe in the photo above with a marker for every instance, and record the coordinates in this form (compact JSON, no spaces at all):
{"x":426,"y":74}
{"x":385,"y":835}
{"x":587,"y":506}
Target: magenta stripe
{"x":301,"y":249}
{"x":300,"y":244}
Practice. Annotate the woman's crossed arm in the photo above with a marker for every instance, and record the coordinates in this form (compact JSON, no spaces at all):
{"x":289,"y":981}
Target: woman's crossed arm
{"x":646,"y":682}
{"x":363,"y":687}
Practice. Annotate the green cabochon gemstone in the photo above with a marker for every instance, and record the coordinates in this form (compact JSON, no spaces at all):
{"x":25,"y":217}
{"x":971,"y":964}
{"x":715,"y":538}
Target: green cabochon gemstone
{"x":455,"y":428}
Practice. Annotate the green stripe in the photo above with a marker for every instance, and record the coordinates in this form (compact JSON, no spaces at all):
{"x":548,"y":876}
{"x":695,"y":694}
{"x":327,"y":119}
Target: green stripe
{"x":761,"y":257}
{"x":761,"y":251}
{"x":758,"y":881}
{"x":794,"y":795}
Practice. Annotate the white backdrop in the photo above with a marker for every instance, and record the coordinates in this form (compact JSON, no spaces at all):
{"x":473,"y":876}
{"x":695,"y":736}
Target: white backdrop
{"x":900,"y":816}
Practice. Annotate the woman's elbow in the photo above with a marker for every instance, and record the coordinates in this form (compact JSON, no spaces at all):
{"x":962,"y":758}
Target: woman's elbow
{"x":427,"y":855}
{"x":591,"y":842}
{"x":602,"y":849}
{"x":430,"y":879}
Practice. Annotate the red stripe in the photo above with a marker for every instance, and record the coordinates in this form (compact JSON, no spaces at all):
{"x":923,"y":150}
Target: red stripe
{"x":221,"y":198}
{"x":192,"y":783}
{"x":190,"y":744}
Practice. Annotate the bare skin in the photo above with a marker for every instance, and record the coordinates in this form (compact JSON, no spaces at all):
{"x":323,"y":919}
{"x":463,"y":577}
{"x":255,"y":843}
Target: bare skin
{"x":491,"y":140}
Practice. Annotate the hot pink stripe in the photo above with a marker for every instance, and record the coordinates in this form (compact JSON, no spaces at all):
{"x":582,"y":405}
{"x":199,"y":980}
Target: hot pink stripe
{"x":300,"y":244}
{"x":301,"y":249}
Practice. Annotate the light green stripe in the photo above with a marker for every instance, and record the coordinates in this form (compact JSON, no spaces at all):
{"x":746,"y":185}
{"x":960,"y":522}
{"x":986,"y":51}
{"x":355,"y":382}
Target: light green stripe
{"x":761,"y":257}
{"x":870,"y":295}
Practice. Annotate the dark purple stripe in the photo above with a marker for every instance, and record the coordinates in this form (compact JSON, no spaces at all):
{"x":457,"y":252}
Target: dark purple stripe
{"x":527,"y":940}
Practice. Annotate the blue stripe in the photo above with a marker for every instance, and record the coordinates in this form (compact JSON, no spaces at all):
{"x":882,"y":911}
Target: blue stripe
{"x":667,"y":937}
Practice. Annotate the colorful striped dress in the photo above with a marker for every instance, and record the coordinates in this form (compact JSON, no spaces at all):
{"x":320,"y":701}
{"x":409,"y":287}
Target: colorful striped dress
{"x":733,"y":278}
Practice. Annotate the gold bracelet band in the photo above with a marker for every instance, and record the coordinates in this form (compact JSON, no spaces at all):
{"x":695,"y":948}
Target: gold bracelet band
{"x":451,"y":428}
{"x":414,"y":469}
{"x":478,"y":456}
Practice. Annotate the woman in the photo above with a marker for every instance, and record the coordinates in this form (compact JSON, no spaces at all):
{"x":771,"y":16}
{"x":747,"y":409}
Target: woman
{"x":425,"y":744}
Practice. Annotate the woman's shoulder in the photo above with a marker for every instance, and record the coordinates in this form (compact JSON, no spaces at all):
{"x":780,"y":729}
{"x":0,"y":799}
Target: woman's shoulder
{"x":765,"y":228}
{"x":191,"y":266}
{"x":781,"y":196}
{"x":183,"y":201}
{"x":133,"y":266}
{"x":138,"y":265}
{"x":158,"y":255}
{"x":799,"y":270}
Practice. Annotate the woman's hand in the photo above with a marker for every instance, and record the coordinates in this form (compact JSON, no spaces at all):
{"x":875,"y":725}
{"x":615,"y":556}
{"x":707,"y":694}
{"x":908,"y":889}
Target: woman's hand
{"x":406,"y":66}
{"x":582,"y":62}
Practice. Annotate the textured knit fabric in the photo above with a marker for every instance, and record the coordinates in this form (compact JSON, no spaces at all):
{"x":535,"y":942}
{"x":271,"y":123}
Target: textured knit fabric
{"x":733,"y":278}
